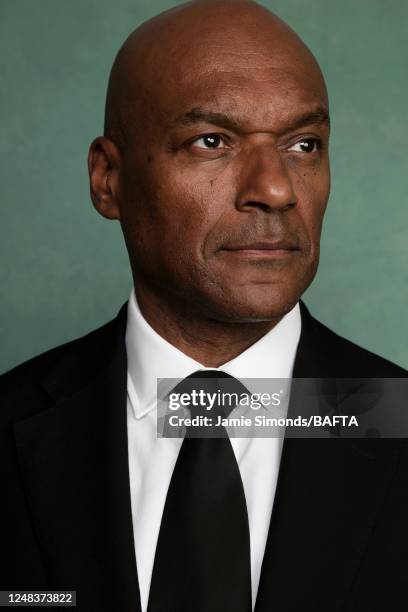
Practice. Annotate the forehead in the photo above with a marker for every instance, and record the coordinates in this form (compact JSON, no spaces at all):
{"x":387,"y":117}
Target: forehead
{"x":255,"y":68}
{"x":257,"y":85}
{"x":255,"y":100}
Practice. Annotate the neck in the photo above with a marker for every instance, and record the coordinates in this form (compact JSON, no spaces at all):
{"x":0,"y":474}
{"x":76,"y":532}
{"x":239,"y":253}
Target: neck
{"x":209,"y":341}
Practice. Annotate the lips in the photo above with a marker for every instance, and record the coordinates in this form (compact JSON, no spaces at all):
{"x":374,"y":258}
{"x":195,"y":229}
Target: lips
{"x":264,"y":245}
{"x":277,"y":251}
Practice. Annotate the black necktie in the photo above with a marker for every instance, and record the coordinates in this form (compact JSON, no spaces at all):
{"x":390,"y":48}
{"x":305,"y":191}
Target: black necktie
{"x":202,"y":561}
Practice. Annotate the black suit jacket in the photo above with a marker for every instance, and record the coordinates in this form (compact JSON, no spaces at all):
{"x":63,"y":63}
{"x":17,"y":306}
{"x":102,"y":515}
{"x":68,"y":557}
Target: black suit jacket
{"x":338,"y":533}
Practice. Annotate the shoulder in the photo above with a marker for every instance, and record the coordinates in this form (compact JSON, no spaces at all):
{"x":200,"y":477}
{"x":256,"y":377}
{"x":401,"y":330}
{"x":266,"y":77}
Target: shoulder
{"x":29,"y":385}
{"x":339,"y":356}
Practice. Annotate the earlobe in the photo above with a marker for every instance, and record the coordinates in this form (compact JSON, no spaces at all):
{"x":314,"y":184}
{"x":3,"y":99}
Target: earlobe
{"x":103,"y":163}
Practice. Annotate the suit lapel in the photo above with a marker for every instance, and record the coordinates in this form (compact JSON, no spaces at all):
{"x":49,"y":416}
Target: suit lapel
{"x":328,"y":496}
{"x":74,"y":460}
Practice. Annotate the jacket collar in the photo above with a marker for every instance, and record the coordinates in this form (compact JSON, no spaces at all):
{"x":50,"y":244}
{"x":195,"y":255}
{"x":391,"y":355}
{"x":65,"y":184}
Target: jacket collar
{"x":328,"y":498}
{"x":74,"y":461}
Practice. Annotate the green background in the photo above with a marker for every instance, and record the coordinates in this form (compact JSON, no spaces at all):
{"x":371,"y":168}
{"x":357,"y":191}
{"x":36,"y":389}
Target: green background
{"x":65,"y":270}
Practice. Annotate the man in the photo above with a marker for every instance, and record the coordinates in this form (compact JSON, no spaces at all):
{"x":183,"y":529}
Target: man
{"x":215,"y":161}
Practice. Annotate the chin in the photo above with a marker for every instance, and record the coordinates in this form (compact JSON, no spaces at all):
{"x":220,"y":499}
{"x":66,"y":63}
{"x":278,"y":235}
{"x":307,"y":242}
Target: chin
{"x":259,"y":306}
{"x":257,"y":296}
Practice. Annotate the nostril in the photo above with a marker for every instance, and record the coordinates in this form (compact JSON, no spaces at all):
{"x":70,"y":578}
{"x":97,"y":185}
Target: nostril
{"x":261,"y":205}
{"x":265,"y":207}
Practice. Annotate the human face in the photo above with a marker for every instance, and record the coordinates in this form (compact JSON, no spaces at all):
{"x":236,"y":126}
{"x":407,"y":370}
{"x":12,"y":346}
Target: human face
{"x":225,"y":187}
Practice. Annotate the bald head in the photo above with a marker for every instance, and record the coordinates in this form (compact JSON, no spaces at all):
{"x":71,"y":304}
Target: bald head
{"x":169,"y":52}
{"x":215,"y":147}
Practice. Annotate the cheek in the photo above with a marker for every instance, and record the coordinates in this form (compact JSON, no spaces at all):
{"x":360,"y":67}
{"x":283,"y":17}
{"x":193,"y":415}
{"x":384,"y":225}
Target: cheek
{"x":312,"y":186}
{"x":169,"y":214}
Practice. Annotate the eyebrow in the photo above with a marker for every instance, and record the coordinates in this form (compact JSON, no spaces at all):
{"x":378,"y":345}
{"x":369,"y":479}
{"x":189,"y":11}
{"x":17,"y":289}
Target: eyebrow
{"x":318,"y":115}
{"x":199,"y":115}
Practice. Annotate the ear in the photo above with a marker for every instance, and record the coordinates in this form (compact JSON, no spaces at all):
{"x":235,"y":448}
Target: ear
{"x":103,"y":167}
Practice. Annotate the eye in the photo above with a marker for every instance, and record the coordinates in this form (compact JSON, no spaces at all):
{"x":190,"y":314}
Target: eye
{"x":307,"y":145}
{"x":208,"y":141}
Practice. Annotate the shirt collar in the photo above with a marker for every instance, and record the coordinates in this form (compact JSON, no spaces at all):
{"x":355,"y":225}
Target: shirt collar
{"x":151,"y":357}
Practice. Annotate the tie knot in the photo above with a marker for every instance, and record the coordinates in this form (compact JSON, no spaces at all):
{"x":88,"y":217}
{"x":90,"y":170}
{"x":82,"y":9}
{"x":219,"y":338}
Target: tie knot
{"x":210,"y":391}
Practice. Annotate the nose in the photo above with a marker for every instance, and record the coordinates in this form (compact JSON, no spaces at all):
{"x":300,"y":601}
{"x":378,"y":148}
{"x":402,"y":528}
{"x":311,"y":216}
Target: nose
{"x":264,"y":182}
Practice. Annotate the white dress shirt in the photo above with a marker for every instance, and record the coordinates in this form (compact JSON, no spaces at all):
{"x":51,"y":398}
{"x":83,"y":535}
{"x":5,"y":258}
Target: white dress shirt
{"x":152,"y":459}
